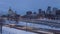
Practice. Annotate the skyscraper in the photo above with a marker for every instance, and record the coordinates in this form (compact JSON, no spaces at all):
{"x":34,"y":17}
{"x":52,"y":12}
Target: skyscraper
{"x":48,"y":11}
{"x":28,"y":12}
{"x":40,"y":10}
{"x":54,"y":11}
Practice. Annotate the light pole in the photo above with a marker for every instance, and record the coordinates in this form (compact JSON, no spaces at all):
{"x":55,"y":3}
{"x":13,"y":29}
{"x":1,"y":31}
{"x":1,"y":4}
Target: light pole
{"x":0,"y":28}
{"x":1,"y":24}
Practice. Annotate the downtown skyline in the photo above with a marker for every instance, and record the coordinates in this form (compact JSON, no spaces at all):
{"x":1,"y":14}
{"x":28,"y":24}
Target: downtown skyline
{"x":21,"y":6}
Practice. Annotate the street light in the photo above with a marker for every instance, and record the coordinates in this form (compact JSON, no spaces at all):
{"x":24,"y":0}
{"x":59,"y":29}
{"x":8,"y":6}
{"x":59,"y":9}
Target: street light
{"x":1,"y":24}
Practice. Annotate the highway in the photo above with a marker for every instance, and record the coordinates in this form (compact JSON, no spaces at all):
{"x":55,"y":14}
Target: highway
{"x":44,"y":22}
{"x":35,"y":30}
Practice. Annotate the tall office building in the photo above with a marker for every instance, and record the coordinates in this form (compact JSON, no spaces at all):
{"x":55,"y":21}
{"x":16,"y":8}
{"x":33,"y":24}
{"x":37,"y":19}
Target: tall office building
{"x":28,"y":12}
{"x":54,"y":11}
{"x":48,"y":11}
{"x":40,"y":10}
{"x":58,"y":12}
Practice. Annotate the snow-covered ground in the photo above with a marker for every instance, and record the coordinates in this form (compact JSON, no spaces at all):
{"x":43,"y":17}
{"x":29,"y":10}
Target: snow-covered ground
{"x":33,"y":25}
{"x":7,"y":30}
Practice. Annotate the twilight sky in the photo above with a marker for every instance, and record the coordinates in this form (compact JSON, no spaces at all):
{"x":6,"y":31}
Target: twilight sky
{"x":21,"y":6}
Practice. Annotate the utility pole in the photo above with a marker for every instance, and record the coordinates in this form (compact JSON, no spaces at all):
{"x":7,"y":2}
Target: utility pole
{"x":1,"y":24}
